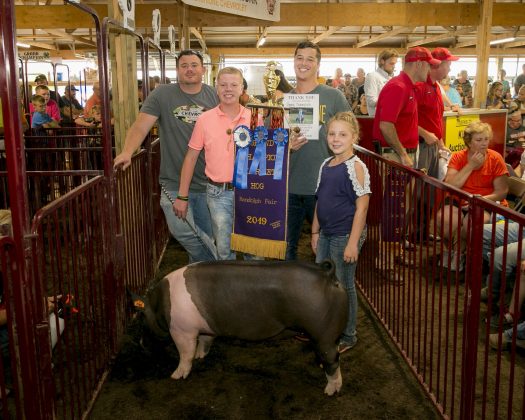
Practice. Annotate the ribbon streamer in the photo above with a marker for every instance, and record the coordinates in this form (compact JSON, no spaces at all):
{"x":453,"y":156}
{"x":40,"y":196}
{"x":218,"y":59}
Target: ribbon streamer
{"x":260,"y":135}
{"x":242,"y":139}
{"x":280,"y":137}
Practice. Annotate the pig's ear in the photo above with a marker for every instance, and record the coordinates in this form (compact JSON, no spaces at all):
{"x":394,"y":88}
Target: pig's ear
{"x":139,"y":304}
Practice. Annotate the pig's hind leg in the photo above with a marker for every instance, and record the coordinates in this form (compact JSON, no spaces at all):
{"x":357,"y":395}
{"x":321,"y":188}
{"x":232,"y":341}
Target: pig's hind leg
{"x":330,"y":357}
{"x":203,"y":346}
{"x":186,"y":344}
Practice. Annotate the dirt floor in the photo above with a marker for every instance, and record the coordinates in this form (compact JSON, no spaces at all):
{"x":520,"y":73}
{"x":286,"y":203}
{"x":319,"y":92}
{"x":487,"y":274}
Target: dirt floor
{"x":266,"y":380}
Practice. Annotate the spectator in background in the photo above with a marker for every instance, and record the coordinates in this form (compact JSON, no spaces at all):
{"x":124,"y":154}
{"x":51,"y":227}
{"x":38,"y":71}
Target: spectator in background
{"x":506,"y":85}
{"x":375,"y":80}
{"x":94,"y":99}
{"x":518,"y":104}
{"x":476,"y":170}
{"x":93,"y":120}
{"x":452,"y":94}
{"x":51,"y":107}
{"x":515,"y":140}
{"x":466,"y":88}
{"x":39,"y":118}
{"x":360,"y":79}
{"x":361,"y":109}
{"x":246,"y":98}
{"x":41,"y":79}
{"x":430,"y":108}
{"x":283,"y":87}
{"x":338,"y":78}
{"x":140,"y":93}
{"x":72,"y":108}
{"x":519,"y":81}
{"x":495,"y":96}
{"x":350,"y":91}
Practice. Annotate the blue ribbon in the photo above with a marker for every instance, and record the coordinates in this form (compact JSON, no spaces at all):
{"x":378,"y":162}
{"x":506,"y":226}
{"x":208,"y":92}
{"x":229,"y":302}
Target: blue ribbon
{"x":280,"y":137}
{"x":260,"y":135}
{"x":242,"y":139}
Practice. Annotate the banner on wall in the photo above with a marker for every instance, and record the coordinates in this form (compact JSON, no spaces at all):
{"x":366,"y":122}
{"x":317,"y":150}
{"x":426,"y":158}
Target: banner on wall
{"x":258,"y":9}
{"x":455,"y":126}
{"x":261,"y":191}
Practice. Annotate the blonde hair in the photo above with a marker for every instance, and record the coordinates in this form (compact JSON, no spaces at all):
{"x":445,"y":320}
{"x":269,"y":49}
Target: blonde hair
{"x":350,"y":119}
{"x":386,"y":55}
{"x":492,"y":90}
{"x":230,"y":70}
{"x":38,"y":100}
{"x":476,"y":127}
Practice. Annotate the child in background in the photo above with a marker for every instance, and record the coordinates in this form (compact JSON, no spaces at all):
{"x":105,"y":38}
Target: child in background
{"x":213,"y":132}
{"x":339,"y":225}
{"x":93,"y":120}
{"x":51,"y":108}
{"x":39,"y":118}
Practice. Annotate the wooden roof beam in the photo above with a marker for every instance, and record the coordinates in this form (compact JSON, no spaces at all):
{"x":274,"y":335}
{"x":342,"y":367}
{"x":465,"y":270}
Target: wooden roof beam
{"x":292,"y":14}
{"x":197,"y":34}
{"x":388,"y":34}
{"x":441,"y":37}
{"x":513,"y":44}
{"x":42,"y":45}
{"x":492,"y":38}
{"x":330,"y":31}
{"x":69,"y":37}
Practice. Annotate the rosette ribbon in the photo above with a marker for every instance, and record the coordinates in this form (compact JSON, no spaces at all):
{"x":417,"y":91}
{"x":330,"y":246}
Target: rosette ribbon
{"x":280,"y":137}
{"x":260,"y":135}
{"x":241,"y":137}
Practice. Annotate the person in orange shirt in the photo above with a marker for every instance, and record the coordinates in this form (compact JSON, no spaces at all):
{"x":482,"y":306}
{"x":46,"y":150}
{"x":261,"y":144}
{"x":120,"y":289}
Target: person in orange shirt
{"x":94,"y":99}
{"x":214,"y":132}
{"x":476,"y":170}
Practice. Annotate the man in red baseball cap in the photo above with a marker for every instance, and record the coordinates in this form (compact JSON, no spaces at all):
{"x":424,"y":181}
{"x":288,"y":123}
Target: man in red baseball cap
{"x":396,"y":129}
{"x":395,"y":122}
{"x":430,"y":109}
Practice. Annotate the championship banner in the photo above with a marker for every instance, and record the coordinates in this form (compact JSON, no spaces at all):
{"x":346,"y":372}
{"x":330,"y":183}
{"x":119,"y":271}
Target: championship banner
{"x":261,"y":191}
{"x":258,"y":9}
{"x":455,"y":126}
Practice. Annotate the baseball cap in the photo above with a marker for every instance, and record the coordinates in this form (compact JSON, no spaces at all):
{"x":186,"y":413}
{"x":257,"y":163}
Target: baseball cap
{"x":72,"y":88}
{"x":443,"y":54}
{"x":420,"y":54}
{"x":40,"y":78}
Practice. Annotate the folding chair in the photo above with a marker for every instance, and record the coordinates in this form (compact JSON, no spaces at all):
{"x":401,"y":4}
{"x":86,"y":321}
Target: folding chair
{"x":517,"y":189}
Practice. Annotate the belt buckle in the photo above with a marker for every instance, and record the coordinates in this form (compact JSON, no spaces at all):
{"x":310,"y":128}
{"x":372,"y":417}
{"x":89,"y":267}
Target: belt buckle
{"x":228,"y":186}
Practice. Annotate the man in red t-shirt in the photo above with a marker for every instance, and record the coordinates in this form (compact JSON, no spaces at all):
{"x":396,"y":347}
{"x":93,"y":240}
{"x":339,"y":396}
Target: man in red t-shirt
{"x":395,"y":122}
{"x":430,"y":112}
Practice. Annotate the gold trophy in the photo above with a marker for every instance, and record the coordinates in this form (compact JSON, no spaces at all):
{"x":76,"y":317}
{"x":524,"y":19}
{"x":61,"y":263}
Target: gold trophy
{"x":271,"y":81}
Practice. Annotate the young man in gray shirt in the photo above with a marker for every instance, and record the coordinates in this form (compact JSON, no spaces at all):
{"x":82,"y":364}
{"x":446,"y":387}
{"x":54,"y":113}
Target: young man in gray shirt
{"x":176,"y":107}
{"x":308,"y":155}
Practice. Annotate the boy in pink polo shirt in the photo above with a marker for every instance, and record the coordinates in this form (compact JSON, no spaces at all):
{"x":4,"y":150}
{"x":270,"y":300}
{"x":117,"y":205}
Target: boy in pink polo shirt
{"x":213,"y":132}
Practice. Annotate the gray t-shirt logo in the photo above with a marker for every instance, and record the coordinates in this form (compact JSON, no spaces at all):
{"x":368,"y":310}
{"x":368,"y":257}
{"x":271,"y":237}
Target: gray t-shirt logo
{"x":188,"y":113}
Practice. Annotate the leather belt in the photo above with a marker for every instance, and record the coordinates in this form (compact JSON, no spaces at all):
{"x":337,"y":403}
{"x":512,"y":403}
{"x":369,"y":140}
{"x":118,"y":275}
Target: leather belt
{"x":392,"y":150}
{"x":227,"y":186}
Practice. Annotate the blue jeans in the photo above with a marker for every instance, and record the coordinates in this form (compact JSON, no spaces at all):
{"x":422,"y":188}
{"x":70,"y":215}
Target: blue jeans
{"x":220,"y":203}
{"x":299,"y":208}
{"x":194,"y":233}
{"x":520,"y":332}
{"x":511,"y":246}
{"x":333,"y":247}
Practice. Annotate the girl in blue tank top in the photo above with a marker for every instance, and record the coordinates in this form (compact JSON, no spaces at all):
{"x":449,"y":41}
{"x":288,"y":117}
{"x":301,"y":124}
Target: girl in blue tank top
{"x":339,"y":225}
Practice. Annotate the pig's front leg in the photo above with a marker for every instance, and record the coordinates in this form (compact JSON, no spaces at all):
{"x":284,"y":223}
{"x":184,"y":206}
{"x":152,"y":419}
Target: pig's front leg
{"x":186,"y":344}
{"x":203,"y":346}
{"x":335,"y":382}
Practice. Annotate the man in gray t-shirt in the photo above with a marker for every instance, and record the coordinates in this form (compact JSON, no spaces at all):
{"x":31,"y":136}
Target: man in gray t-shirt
{"x":176,"y":107}
{"x":307,"y":155}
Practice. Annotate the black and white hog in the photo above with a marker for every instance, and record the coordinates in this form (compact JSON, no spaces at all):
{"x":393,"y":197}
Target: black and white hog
{"x":250,"y":300}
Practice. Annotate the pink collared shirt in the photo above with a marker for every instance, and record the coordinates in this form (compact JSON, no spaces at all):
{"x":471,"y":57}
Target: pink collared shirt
{"x":211,"y":134}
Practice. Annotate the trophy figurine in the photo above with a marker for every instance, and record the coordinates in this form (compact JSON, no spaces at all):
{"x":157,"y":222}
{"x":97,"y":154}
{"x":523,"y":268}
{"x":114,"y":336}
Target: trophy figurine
{"x":271,"y":81}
